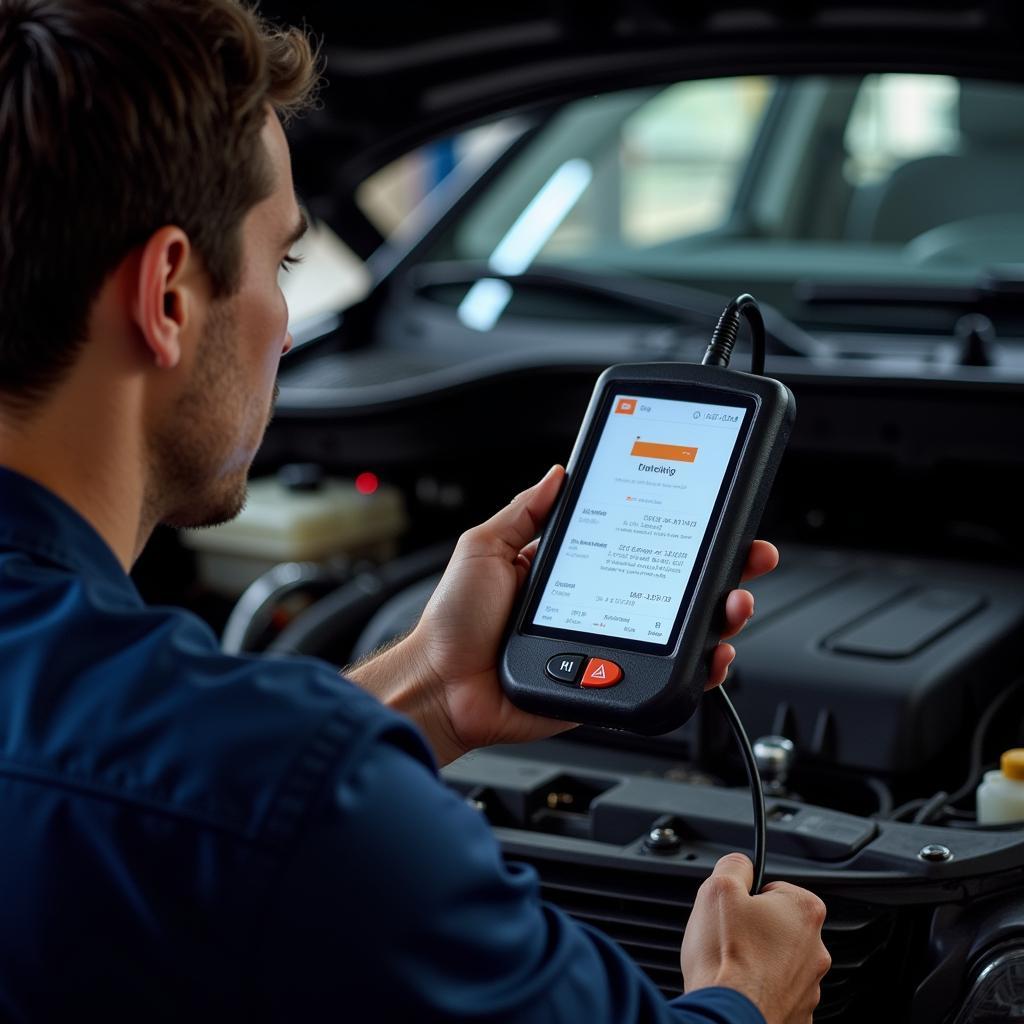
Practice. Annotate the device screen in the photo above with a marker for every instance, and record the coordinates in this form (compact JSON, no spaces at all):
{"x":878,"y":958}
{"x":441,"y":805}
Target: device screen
{"x":633,"y":541}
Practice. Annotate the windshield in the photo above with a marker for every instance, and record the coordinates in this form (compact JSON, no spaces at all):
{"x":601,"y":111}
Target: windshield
{"x":893,"y":186}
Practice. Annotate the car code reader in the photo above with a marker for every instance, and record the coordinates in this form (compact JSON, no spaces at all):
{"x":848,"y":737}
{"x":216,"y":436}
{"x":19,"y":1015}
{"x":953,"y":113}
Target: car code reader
{"x":663,"y":494}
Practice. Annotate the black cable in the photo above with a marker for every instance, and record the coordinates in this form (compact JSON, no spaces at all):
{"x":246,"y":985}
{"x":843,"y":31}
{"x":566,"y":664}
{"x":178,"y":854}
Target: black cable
{"x":882,"y":793}
{"x":930,"y":807}
{"x":977,"y":766}
{"x":904,"y":809}
{"x":943,"y":804}
{"x":724,"y":337}
{"x":760,"y":826}
{"x":718,"y":354}
{"x":955,"y":814}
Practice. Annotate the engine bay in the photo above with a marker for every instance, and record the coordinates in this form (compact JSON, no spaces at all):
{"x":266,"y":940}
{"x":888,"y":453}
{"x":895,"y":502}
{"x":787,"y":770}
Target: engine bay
{"x":885,"y":650}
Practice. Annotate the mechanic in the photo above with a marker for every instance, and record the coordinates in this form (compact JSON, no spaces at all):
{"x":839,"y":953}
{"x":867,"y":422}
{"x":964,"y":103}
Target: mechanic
{"x":190,"y":835}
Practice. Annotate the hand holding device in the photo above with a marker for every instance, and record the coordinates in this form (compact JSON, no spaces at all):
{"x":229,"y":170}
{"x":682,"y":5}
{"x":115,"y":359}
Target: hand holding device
{"x":445,"y":676}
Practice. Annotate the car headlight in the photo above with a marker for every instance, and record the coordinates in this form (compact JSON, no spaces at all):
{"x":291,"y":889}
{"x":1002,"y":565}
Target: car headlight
{"x":997,"y":993}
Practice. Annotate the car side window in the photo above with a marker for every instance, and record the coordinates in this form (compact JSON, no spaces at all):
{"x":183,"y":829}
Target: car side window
{"x":682,"y":155}
{"x":671,"y":170}
{"x":897,"y":118}
{"x":936,"y":165}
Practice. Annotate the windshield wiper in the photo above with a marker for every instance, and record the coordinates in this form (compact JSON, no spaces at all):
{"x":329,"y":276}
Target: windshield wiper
{"x":997,"y":296}
{"x":675,"y":302}
{"x":1001,"y":287}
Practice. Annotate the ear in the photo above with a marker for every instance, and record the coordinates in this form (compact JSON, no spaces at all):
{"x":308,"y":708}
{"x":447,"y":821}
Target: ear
{"x":165,"y":298}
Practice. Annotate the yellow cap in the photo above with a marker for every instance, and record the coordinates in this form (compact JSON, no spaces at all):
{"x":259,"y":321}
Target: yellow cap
{"x":1012,"y":763}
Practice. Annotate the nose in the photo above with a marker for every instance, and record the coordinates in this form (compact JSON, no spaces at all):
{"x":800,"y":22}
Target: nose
{"x":287,"y":347}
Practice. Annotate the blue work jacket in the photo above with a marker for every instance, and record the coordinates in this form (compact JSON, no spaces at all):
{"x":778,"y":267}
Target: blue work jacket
{"x":187,"y":835}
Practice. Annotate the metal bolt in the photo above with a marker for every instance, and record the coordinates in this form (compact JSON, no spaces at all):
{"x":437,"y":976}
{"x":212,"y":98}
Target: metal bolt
{"x":774,"y":757}
{"x":935,"y":853}
{"x":556,"y":800}
{"x":662,"y":840}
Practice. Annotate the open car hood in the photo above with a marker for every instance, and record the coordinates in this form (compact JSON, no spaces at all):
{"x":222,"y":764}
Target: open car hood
{"x":399,"y":76}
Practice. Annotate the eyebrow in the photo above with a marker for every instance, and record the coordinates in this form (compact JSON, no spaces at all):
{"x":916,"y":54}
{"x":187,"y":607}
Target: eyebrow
{"x":297,"y":232}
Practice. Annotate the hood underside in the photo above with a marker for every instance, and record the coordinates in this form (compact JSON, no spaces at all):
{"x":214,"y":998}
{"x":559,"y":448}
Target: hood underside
{"x":398,"y":78}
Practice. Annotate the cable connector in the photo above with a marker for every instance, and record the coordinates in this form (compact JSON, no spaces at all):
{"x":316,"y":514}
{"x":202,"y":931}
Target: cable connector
{"x":723,"y":339}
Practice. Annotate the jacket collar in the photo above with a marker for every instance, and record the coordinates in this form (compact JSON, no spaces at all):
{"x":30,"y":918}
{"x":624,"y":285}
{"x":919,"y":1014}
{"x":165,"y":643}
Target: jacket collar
{"x":34,"y":520}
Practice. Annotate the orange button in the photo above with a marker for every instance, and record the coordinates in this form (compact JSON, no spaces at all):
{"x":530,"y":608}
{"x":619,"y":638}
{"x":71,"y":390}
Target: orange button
{"x":601,"y":673}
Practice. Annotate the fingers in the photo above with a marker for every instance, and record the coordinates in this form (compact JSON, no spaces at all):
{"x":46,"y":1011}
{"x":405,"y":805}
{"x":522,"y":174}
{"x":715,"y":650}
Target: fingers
{"x":763,"y":557}
{"x":721,"y":658}
{"x":812,"y":905}
{"x":783,"y":887}
{"x":530,"y":551}
{"x":520,"y":521}
{"x":739,"y":607}
{"x":735,"y":866}
{"x":524,"y":560}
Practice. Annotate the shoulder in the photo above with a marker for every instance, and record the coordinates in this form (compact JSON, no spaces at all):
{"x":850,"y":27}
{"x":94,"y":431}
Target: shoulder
{"x":137,"y":703}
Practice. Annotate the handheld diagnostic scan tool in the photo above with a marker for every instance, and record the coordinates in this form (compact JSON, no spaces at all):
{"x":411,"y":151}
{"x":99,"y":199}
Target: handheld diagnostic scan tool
{"x":664,"y":491}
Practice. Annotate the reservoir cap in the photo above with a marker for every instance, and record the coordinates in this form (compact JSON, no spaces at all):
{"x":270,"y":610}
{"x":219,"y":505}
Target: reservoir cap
{"x":1012,"y":763}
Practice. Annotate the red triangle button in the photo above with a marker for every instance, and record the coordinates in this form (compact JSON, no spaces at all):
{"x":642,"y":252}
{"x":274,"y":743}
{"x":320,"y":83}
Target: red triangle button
{"x":601,"y":672}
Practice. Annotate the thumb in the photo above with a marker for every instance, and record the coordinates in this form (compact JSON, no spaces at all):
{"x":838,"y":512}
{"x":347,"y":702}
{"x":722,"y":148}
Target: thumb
{"x":737,"y":866}
{"x":520,"y":521}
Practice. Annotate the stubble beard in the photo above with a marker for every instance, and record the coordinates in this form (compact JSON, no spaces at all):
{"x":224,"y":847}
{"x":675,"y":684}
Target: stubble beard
{"x":192,"y":480}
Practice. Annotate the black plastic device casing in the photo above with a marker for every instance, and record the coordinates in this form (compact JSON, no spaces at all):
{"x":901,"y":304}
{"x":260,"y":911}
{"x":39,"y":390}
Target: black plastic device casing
{"x":658,"y":692}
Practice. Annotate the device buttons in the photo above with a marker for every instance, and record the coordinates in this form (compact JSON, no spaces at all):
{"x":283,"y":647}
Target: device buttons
{"x":601,"y":672}
{"x":565,"y":667}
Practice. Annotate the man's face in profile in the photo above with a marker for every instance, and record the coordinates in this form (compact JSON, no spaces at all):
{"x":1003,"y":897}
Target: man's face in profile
{"x":201,"y":450}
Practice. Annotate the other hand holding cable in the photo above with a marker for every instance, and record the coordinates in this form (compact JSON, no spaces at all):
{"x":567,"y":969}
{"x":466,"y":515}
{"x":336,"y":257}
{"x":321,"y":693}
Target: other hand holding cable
{"x":768,"y":947}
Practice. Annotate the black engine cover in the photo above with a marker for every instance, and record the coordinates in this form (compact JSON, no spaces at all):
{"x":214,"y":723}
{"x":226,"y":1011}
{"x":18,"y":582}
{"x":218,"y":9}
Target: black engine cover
{"x":873,"y":661}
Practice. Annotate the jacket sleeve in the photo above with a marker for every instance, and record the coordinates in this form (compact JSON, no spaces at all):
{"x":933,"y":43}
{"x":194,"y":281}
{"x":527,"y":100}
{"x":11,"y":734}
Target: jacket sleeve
{"x":396,"y":904}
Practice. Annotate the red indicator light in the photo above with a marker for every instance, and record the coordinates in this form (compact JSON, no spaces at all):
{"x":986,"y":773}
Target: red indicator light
{"x":367,"y":483}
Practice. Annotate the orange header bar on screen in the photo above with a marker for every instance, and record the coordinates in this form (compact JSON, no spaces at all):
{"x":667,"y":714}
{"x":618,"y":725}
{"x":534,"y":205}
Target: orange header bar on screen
{"x":673,"y":452}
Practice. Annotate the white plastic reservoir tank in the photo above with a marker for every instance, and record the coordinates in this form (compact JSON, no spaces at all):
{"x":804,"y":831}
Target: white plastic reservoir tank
{"x":1001,"y":793}
{"x":297,"y":517}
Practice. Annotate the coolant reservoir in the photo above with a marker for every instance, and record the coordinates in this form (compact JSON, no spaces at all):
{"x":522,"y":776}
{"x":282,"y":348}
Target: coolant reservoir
{"x":297,"y":518}
{"x":1001,"y":793}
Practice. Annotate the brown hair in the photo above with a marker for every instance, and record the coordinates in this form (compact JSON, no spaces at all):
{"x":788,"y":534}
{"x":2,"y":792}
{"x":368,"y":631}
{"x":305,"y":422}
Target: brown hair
{"x":118,"y":117}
